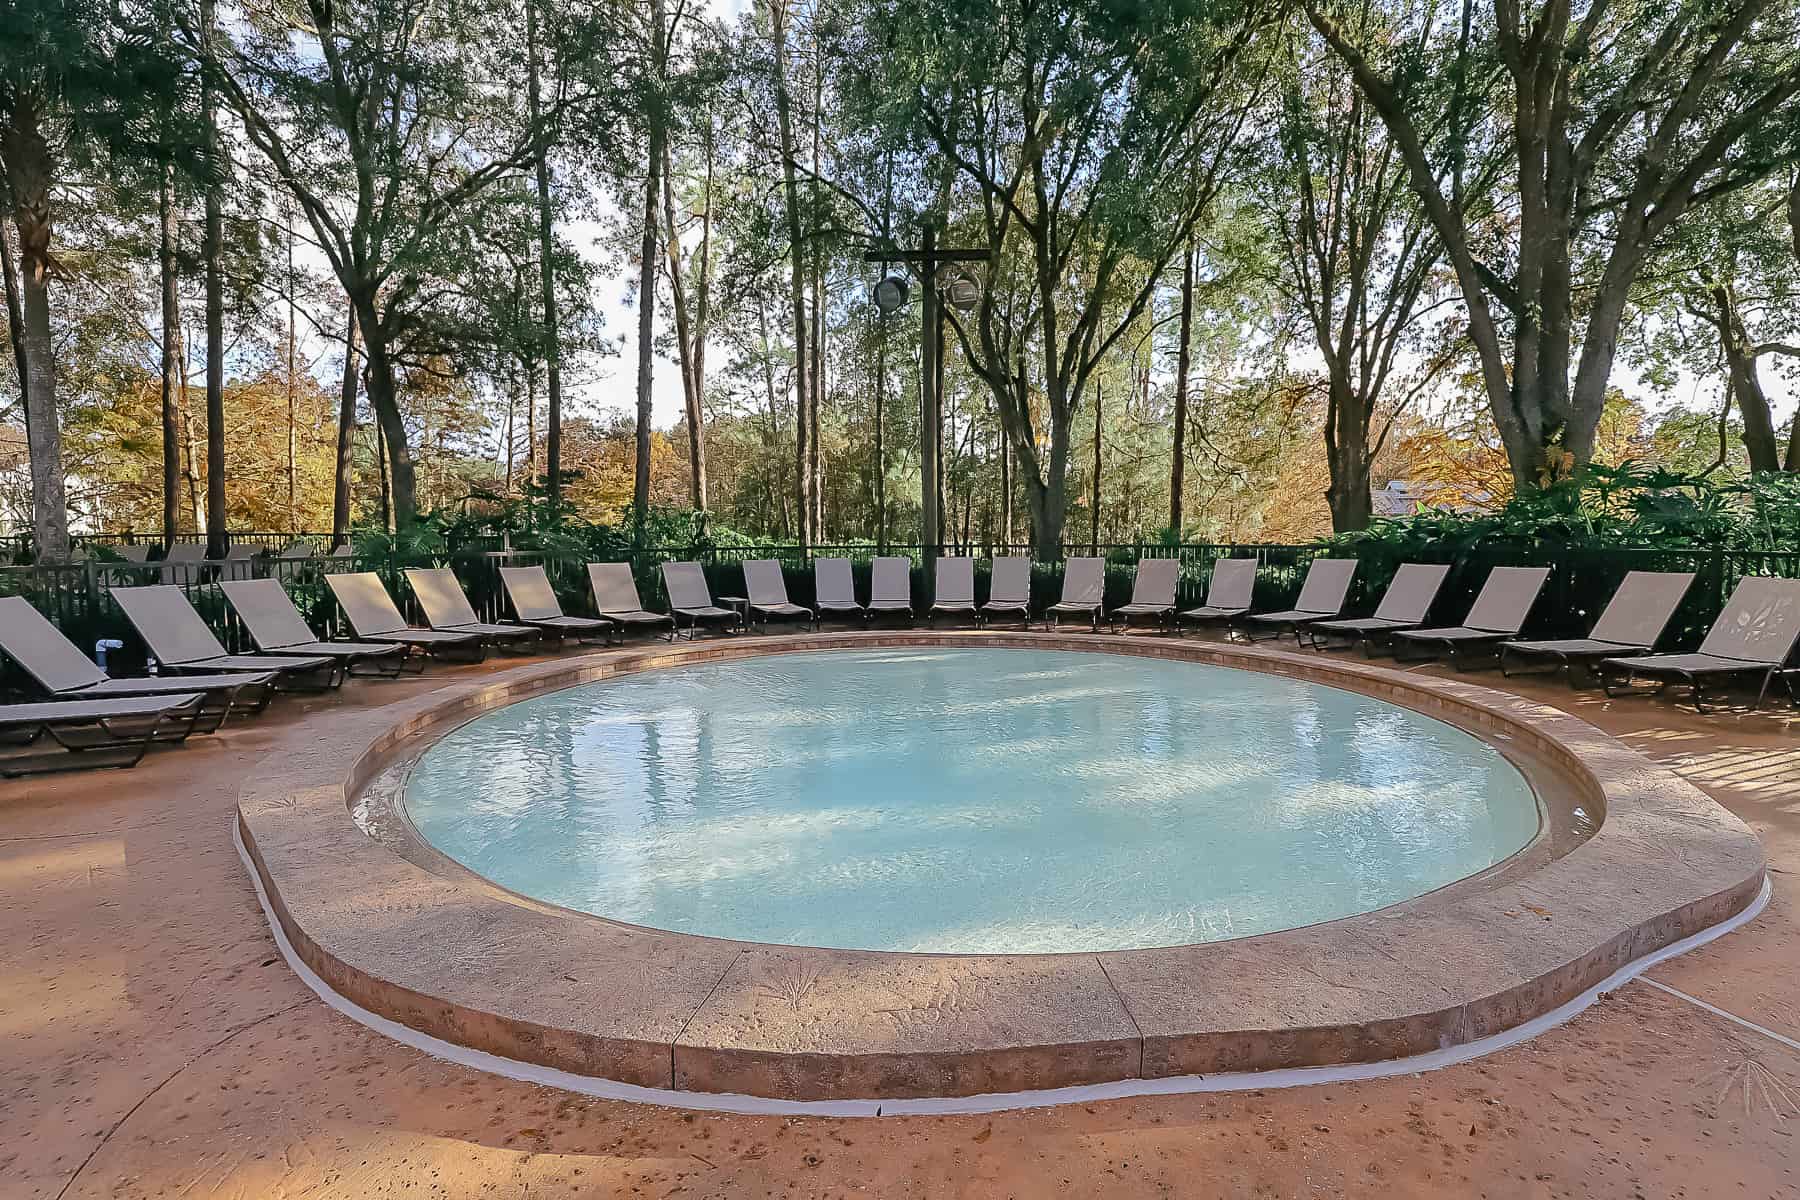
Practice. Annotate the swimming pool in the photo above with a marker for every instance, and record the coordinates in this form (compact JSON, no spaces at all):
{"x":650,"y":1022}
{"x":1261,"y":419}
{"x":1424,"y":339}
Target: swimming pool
{"x":967,"y":800}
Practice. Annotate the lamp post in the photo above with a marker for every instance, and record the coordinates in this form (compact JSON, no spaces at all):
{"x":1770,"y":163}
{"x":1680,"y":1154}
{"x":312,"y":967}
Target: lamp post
{"x":890,"y":294}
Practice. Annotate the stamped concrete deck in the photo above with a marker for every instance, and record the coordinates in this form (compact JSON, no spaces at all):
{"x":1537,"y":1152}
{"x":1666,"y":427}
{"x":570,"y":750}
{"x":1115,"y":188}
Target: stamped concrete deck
{"x":156,"y":1045}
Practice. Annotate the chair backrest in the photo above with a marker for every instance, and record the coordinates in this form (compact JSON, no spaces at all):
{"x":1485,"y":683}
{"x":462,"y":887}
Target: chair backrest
{"x":440,"y":597}
{"x":533,"y":599}
{"x":267,"y":611}
{"x":764,"y":582}
{"x":29,"y":639}
{"x":1010,"y":582}
{"x":168,"y":624}
{"x":344,"y":551}
{"x":1760,"y":624}
{"x":366,"y":603}
{"x":615,"y":590}
{"x":296,"y":549}
{"x":890,"y":580}
{"x":1233,"y":583}
{"x":1327,"y":584}
{"x":1155,"y":581}
{"x":955,"y":581}
{"x":133,"y":552}
{"x":832,"y":581}
{"x":1641,"y":609}
{"x":686,"y":584}
{"x":1411,"y":592}
{"x":1084,"y":582}
{"x":238,"y":563}
{"x":182,"y":563}
{"x":1506,"y":599}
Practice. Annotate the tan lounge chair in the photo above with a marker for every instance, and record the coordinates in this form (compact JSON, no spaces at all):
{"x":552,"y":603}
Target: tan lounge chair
{"x":534,"y":603}
{"x":1083,"y":591}
{"x":183,"y":644}
{"x":1152,"y":594}
{"x":1228,"y":593}
{"x":1505,"y":600}
{"x":768,"y":596}
{"x":239,"y":563}
{"x":446,"y":607}
{"x":1322,"y":597}
{"x":834,"y":589}
{"x":277,"y":627}
{"x":90,"y":733}
{"x":1633,"y":622}
{"x":690,"y":597}
{"x":1756,"y":635}
{"x":1404,"y":605}
{"x":955,"y":588}
{"x":616,"y":596}
{"x":890,"y":587}
{"x":1009,"y":590}
{"x":65,"y":673}
{"x":374,"y":617}
{"x":182,"y":563}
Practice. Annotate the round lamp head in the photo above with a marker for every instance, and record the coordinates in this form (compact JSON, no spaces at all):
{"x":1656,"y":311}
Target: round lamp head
{"x":891,"y":293}
{"x":963,"y":292}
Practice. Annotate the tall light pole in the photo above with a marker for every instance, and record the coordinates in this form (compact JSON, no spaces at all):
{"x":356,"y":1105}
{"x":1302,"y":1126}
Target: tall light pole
{"x":890,"y":294}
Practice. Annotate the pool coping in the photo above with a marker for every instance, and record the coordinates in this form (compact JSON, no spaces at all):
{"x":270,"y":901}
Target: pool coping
{"x":443,"y":954}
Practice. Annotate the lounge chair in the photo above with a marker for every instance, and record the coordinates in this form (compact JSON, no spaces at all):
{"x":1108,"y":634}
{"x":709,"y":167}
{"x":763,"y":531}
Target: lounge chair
{"x":955,"y":588}
{"x":344,"y":551}
{"x":446,"y":607}
{"x":132,"y":552}
{"x":834,"y":589}
{"x":890,"y":587}
{"x":1632,"y":623}
{"x":768,"y":593}
{"x":1755,"y":636}
{"x":182,"y":563}
{"x":690,"y":597}
{"x":65,"y":673}
{"x":91,"y":733}
{"x":534,"y":603}
{"x":277,"y":627}
{"x":616,"y":597}
{"x":1152,"y":594}
{"x":1404,"y":605}
{"x":1228,"y":593}
{"x":1009,"y":590}
{"x":374,"y":617}
{"x":297,"y":549}
{"x":182,"y":643}
{"x":1322,"y":597}
{"x":1505,"y":600}
{"x":1083,"y":591}
{"x":238,"y":563}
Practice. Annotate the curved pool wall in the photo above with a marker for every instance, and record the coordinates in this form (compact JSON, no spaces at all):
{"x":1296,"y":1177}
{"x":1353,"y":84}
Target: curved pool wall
{"x":968,"y":800}
{"x":406,"y":936}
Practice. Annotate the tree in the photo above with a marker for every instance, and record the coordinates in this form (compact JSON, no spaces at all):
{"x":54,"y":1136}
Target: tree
{"x":1614,"y":119}
{"x":388,"y":123}
{"x":1359,"y":255}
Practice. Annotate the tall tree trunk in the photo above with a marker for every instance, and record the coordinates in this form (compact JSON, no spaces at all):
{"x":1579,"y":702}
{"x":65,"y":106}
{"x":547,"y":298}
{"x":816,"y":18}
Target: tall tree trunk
{"x":684,"y":341}
{"x":1183,"y":366}
{"x":817,"y":400}
{"x":640,"y":492}
{"x":1094,"y":501}
{"x":1746,"y":386}
{"x":546,"y":246}
{"x":15,"y":315}
{"x":217,"y":524}
{"x":168,"y":232}
{"x":26,"y":156}
{"x":778,"y":15}
{"x":190,"y":446}
{"x":378,"y":380}
{"x":292,"y":334}
{"x":346,"y":433}
{"x":1347,"y":453}
{"x":381,"y":470}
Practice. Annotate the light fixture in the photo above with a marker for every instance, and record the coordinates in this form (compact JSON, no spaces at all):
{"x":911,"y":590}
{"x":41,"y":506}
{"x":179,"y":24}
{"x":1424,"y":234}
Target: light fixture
{"x":962,"y":292}
{"x":890,"y":293}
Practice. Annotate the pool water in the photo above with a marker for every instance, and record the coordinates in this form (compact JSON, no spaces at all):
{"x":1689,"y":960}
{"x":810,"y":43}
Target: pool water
{"x":967,"y":800}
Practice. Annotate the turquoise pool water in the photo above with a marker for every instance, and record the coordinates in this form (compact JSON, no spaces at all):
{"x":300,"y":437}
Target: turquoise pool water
{"x":967,"y":800}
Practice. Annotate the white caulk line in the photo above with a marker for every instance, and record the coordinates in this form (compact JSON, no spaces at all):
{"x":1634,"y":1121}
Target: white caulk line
{"x":1783,"y":1038}
{"x":608,"y":1089}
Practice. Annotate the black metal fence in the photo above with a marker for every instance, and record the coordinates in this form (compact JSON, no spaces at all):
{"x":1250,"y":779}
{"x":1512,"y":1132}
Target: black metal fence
{"x":76,"y":596}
